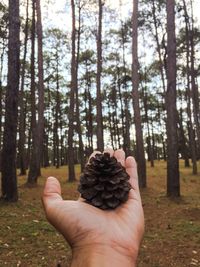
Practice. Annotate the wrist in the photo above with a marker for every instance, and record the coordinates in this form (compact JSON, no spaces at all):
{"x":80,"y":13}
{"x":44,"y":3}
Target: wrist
{"x":102,"y":256}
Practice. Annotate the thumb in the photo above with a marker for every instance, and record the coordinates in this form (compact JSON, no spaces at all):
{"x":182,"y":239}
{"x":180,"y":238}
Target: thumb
{"x":51,"y":193}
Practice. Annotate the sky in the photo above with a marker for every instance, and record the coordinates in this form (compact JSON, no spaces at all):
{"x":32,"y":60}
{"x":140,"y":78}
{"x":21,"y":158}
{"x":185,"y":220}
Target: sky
{"x":60,"y":19}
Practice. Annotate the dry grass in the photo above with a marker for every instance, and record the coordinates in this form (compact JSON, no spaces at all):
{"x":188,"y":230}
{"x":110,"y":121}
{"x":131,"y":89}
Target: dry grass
{"x":172,"y":236}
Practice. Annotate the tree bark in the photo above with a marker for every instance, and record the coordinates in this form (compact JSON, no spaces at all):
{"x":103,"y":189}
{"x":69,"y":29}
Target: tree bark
{"x":182,"y":140}
{"x":79,"y":130}
{"x":1,"y":93}
{"x":161,"y":65}
{"x":173,"y":183}
{"x":135,"y":94}
{"x":22,"y":117}
{"x":57,"y":114}
{"x":71,"y":170}
{"x":9,"y":177}
{"x":32,"y":132}
{"x":126,"y":131}
{"x":189,"y":95}
{"x":194,"y":87}
{"x":36,"y":155}
{"x":100,"y":139}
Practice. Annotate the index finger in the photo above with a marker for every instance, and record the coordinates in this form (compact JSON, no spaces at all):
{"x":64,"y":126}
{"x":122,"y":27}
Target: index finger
{"x":131,"y":168}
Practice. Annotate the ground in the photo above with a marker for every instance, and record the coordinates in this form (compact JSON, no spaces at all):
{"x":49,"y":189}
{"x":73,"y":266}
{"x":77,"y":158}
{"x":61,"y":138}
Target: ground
{"x":172,"y":235}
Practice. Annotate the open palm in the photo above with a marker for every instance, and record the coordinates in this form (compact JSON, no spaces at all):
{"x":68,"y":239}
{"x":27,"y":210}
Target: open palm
{"x":83,"y":225}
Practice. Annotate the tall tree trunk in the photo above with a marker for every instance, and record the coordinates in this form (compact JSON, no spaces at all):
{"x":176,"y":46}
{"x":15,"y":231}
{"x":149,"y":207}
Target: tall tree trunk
{"x":36,"y":155}
{"x":46,"y":146}
{"x":127,"y":141}
{"x":189,"y":95}
{"x":90,"y":118}
{"x":135,"y":93}
{"x":79,"y":130}
{"x":182,"y":142}
{"x":100,"y":139}
{"x":48,"y":126}
{"x":88,"y":113}
{"x":173,"y":181}
{"x":1,"y":93}
{"x":22,"y":119}
{"x":40,"y":85}
{"x":57,"y":114}
{"x":149,"y":144}
{"x":118,"y":86}
{"x":32,"y":131}
{"x":161,"y":65}
{"x":9,"y":177}
{"x":195,"y":92}
{"x":71,"y":170}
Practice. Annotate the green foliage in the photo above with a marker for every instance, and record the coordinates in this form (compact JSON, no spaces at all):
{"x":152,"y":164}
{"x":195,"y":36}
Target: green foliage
{"x":3,"y":21}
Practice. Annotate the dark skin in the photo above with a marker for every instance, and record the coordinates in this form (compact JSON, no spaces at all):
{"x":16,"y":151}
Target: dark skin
{"x":99,"y":238}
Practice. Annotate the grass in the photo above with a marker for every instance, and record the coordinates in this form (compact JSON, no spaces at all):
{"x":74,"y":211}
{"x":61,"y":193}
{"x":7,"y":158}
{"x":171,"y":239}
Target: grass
{"x":172,"y":236}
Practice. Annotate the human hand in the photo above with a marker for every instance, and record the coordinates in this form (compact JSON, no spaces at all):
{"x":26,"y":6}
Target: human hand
{"x":97,"y":237}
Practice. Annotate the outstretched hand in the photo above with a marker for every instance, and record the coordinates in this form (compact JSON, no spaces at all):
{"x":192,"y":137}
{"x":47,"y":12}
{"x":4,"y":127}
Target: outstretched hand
{"x":99,"y":237}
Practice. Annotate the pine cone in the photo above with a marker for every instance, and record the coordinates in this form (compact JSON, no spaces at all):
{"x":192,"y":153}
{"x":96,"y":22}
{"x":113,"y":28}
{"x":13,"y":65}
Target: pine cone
{"x":104,"y":182}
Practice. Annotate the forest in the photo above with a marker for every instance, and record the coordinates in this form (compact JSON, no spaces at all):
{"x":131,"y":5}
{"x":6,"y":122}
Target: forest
{"x":78,"y":76}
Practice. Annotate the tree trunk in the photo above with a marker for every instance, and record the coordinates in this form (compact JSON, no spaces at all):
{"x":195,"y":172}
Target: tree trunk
{"x":118,"y":86}
{"x":1,"y":94}
{"x":127,"y":141}
{"x":22,"y":118}
{"x":173,"y":183}
{"x":79,"y":130}
{"x":100,"y":139}
{"x":71,"y":170}
{"x":188,"y":95}
{"x":135,"y":93}
{"x":57,"y":114}
{"x":182,"y":142}
{"x":36,"y":155}
{"x":9,"y":177}
{"x":195,"y":92}
{"x":40,"y":129}
{"x":162,"y":75}
{"x":32,"y":131}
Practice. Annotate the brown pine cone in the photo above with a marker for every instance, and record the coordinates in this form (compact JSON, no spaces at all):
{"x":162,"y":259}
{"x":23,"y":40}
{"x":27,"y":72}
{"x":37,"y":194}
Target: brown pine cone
{"x":104,"y":182}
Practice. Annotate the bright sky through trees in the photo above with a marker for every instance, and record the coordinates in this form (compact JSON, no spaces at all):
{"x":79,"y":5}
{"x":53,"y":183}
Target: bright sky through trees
{"x":58,"y":18}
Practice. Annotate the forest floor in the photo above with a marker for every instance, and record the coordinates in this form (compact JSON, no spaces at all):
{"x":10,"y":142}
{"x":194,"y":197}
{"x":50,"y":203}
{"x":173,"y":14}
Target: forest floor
{"x":172,"y":236}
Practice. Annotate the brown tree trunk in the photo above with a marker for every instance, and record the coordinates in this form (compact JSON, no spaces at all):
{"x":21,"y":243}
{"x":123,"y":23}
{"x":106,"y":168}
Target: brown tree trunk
{"x":182,"y":142}
{"x":161,"y":65}
{"x":32,"y":131}
{"x":9,"y":177}
{"x":1,"y":93}
{"x":135,"y":93}
{"x":173,"y":181}
{"x":71,"y":170}
{"x":46,"y":146}
{"x":194,"y":87}
{"x":126,"y":126}
{"x":79,"y":130}
{"x":36,"y":155}
{"x":118,"y":86}
{"x":57,"y":114}
{"x":149,"y":143}
{"x":89,"y":115}
{"x":40,"y":85}
{"x":100,"y":139}
{"x":189,"y":95}
{"x":22,"y":117}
